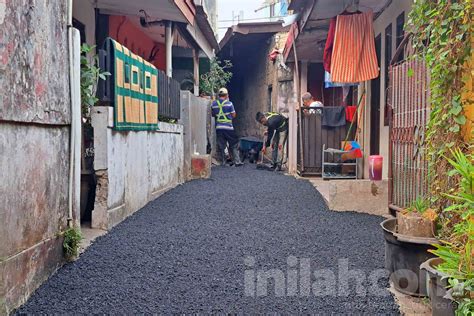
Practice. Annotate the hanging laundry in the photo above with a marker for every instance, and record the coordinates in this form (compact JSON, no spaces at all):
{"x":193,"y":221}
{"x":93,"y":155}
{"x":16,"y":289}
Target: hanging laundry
{"x":329,"y":45}
{"x":354,"y":58}
{"x":350,"y":112}
{"x":273,"y":55}
{"x":329,"y":84}
{"x":333,"y":116}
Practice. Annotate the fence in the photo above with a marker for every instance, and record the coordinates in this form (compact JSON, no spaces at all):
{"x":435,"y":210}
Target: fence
{"x":314,"y":136}
{"x":168,"y":88}
{"x":409,"y":100}
{"x":168,"y":97}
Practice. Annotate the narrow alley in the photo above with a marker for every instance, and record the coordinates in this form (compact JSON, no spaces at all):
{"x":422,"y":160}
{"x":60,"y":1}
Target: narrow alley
{"x":192,"y":250}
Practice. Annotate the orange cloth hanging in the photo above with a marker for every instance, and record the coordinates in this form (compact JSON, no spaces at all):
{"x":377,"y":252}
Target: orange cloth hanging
{"x":353,"y":57}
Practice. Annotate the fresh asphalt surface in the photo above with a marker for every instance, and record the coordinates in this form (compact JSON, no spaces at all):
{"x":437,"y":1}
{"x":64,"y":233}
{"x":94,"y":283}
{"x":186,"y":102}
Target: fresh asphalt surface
{"x":185,"y":252}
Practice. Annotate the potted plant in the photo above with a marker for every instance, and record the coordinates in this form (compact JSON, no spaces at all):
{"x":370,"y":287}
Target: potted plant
{"x":419,"y":220}
{"x":408,"y":239}
{"x":451,"y":274}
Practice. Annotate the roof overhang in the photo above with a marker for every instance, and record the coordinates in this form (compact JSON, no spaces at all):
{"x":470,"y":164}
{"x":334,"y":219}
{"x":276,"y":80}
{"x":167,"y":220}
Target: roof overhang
{"x":176,"y":11}
{"x":205,"y":27}
{"x":195,"y":30}
{"x":252,"y":28}
{"x":313,"y":25}
{"x":195,"y":37}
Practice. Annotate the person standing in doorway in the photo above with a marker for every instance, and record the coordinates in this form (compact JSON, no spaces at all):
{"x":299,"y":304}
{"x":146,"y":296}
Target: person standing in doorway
{"x":277,"y":135}
{"x":224,"y":112}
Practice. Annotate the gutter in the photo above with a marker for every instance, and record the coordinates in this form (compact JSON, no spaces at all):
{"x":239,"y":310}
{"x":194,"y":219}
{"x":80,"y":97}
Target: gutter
{"x":75,"y":134}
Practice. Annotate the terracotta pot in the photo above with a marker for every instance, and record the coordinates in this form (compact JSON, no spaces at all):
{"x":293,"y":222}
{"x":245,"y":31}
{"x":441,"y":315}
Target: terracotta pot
{"x":413,"y":224}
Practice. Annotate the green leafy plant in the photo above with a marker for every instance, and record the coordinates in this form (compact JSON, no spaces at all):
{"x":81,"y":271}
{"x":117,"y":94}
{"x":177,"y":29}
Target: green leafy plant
{"x":217,"y":77}
{"x":71,"y":243}
{"x":90,"y":76}
{"x":457,"y":254}
{"x":420,"y":205}
{"x":441,"y":37}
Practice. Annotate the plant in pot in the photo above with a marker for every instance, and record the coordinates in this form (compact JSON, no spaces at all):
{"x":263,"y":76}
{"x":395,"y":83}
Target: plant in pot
{"x":419,"y":220}
{"x":408,"y":237}
{"x":451,"y":274}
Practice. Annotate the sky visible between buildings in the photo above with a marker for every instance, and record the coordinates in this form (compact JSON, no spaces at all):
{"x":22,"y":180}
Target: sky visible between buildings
{"x":231,"y":12}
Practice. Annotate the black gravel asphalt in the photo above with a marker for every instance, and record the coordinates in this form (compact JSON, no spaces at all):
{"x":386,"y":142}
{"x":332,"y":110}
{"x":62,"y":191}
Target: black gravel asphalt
{"x":194,"y":250}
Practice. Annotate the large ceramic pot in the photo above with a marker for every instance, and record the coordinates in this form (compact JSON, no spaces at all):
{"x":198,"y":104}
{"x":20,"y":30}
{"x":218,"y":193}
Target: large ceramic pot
{"x":437,"y":285}
{"x":403,"y":257}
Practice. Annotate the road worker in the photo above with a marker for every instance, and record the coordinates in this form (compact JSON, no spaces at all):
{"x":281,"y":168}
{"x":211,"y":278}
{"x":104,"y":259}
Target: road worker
{"x":224,"y":112}
{"x":277,"y":135}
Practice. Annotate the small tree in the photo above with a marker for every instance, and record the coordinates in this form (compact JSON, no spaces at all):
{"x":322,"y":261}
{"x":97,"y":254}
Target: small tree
{"x":90,"y":76}
{"x":217,"y":77}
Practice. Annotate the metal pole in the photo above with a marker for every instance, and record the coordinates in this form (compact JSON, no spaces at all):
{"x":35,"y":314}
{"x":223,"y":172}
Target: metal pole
{"x":169,"y":48}
{"x":298,"y":108}
{"x":196,"y":71}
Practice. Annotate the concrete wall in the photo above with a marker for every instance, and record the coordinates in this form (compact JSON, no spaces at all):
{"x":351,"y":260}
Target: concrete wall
{"x":83,"y":11}
{"x":132,"y":168}
{"x":388,"y":16}
{"x":249,"y":87}
{"x":34,"y":144}
{"x":195,"y":117}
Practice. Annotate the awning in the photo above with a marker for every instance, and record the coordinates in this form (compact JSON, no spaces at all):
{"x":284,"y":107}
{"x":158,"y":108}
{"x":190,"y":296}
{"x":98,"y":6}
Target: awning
{"x":313,"y":24}
{"x":252,"y":28}
{"x":155,"y":9}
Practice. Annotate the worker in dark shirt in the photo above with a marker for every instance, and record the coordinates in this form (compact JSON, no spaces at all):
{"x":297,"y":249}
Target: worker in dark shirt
{"x":277,"y":135}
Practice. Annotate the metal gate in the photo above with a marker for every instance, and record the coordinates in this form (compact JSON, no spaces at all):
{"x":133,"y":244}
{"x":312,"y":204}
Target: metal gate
{"x":409,"y":100}
{"x":315,"y":136}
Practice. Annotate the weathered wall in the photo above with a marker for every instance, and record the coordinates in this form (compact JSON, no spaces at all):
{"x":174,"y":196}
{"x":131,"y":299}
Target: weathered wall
{"x":249,"y":87}
{"x":34,"y":144}
{"x":132,"y":168}
{"x":194,"y":118}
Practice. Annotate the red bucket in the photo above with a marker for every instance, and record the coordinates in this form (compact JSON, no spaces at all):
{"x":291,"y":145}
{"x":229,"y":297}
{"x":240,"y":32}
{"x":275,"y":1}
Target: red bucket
{"x":375,"y":168}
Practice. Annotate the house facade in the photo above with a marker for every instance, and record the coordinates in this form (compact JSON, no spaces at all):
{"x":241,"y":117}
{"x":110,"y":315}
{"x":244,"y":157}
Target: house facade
{"x":313,"y":26}
{"x":49,"y":147}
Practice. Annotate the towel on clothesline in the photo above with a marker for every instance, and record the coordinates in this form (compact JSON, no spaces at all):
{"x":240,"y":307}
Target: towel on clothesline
{"x":334,"y":116}
{"x":353,"y":56}
{"x":328,"y":83}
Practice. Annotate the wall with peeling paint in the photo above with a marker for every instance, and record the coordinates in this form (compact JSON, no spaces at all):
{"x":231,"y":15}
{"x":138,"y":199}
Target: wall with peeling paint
{"x":132,"y":168}
{"x":34,"y":144}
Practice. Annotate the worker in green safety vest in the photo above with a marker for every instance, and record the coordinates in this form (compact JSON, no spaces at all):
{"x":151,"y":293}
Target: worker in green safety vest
{"x":277,"y":135}
{"x":224,"y":112}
